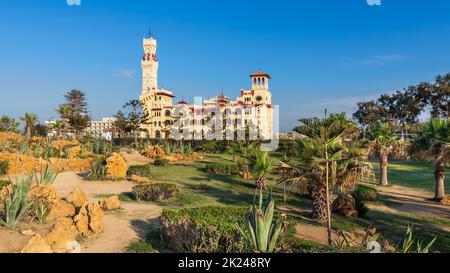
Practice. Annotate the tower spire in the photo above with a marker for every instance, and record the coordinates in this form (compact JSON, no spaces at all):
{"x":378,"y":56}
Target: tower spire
{"x":149,"y":34}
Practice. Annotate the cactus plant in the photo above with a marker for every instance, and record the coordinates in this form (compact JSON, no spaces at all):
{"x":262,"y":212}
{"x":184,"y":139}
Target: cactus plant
{"x":263,"y":231}
{"x":16,"y":203}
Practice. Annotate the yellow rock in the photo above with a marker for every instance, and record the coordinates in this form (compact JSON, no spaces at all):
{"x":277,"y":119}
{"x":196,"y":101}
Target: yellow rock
{"x":154,"y":152}
{"x":61,"y":234}
{"x":110,"y":203}
{"x":89,"y":218}
{"x":37,"y":244}
{"x":46,"y":194}
{"x":62,"y":209}
{"x":77,"y":198}
{"x":74,"y":152}
{"x":116,"y":167}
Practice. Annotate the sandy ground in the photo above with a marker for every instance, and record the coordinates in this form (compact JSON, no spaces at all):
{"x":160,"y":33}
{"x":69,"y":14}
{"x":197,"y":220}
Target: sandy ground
{"x":408,"y":200}
{"x":121,"y":228}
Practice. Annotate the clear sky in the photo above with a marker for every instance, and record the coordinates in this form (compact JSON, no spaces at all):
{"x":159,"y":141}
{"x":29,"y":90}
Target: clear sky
{"x":320,"y":53}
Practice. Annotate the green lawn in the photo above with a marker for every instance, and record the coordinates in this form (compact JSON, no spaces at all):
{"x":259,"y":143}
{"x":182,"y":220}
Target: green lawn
{"x":197,"y":188}
{"x":415,"y":174}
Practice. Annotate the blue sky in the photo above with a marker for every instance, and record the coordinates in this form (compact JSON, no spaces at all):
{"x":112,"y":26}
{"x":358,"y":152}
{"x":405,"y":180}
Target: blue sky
{"x":320,"y":54}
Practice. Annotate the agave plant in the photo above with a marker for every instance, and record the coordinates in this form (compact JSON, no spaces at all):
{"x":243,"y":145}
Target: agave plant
{"x":98,"y":170}
{"x":408,"y":243}
{"x":16,"y":203}
{"x":47,"y":176}
{"x":263,"y":231}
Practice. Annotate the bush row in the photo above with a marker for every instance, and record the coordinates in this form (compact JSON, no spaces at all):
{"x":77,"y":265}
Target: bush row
{"x":204,"y":230}
{"x":154,"y":192}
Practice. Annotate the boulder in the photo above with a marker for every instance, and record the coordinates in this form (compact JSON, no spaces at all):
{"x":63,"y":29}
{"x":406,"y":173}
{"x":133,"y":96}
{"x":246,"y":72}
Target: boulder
{"x":140,"y":179}
{"x":71,"y":164}
{"x":62,"y":233}
{"x":110,"y":203}
{"x":62,"y":209}
{"x":345,"y":205}
{"x":74,"y":152}
{"x":37,"y":244}
{"x":154,"y":152}
{"x":116,"y":167}
{"x":19,"y":164}
{"x":46,"y":194}
{"x":89,"y":219}
{"x":10,"y":137}
{"x":77,"y":198}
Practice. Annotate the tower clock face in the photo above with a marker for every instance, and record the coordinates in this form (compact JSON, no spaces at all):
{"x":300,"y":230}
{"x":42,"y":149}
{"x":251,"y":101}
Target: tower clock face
{"x":258,"y":98}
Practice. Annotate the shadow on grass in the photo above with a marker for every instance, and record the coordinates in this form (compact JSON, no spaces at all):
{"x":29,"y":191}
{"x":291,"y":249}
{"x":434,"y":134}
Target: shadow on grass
{"x":393,"y":227}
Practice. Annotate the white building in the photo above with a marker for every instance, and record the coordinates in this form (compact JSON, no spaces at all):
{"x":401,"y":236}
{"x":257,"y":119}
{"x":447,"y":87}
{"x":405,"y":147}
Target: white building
{"x":252,"y":108}
{"x":99,"y":128}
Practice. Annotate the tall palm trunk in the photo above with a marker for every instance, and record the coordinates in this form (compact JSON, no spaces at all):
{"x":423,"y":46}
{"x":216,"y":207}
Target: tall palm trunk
{"x":439,"y":175}
{"x":319,"y":208}
{"x":383,"y":167}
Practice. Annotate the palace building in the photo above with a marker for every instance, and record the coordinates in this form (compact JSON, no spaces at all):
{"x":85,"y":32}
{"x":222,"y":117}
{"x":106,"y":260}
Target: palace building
{"x":252,"y":109}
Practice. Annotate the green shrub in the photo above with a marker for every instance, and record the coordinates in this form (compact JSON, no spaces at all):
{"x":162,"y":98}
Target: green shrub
{"x":16,"y":203}
{"x":365,"y":193}
{"x":161,"y":162}
{"x":141,"y":246}
{"x":204,"y":230}
{"x":142,"y":170}
{"x":4,"y":183}
{"x":98,"y":169}
{"x":154,"y":192}
{"x":224,"y":169}
{"x":4,"y":165}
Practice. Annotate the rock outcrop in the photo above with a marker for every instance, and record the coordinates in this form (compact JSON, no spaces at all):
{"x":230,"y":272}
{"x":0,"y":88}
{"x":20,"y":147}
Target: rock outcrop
{"x":37,"y":244}
{"x":116,"y":167}
{"x":62,"y":233}
{"x":46,"y":194}
{"x":110,"y":203}
{"x":89,"y":219}
{"x":77,"y":198}
{"x":74,"y":152}
{"x":154,"y":152}
{"x":19,"y":164}
{"x":62,"y":209}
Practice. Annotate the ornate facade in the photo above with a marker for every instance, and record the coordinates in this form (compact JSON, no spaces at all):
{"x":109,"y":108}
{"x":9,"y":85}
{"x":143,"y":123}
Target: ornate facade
{"x":252,"y":109}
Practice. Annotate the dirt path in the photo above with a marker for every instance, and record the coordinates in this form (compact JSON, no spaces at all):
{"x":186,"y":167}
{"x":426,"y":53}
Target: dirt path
{"x":135,"y":158}
{"x":122,"y":227}
{"x":405,"y":199}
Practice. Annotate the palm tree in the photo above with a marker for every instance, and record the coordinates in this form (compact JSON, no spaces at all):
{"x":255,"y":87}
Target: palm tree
{"x":434,"y":140}
{"x":261,"y":164}
{"x":327,"y":161}
{"x":384,"y":139}
{"x":30,"y":121}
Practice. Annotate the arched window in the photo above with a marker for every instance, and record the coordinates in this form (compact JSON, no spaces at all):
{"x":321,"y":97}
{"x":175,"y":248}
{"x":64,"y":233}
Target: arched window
{"x":263,"y":81}
{"x":167,"y":113}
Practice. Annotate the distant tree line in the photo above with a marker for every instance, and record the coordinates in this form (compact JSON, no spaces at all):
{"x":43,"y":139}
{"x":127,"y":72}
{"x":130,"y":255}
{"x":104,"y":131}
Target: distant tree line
{"x":403,"y":108}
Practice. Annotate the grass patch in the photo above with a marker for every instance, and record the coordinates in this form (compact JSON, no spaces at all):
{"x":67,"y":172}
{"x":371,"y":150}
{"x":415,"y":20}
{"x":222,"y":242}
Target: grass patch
{"x":415,"y":174}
